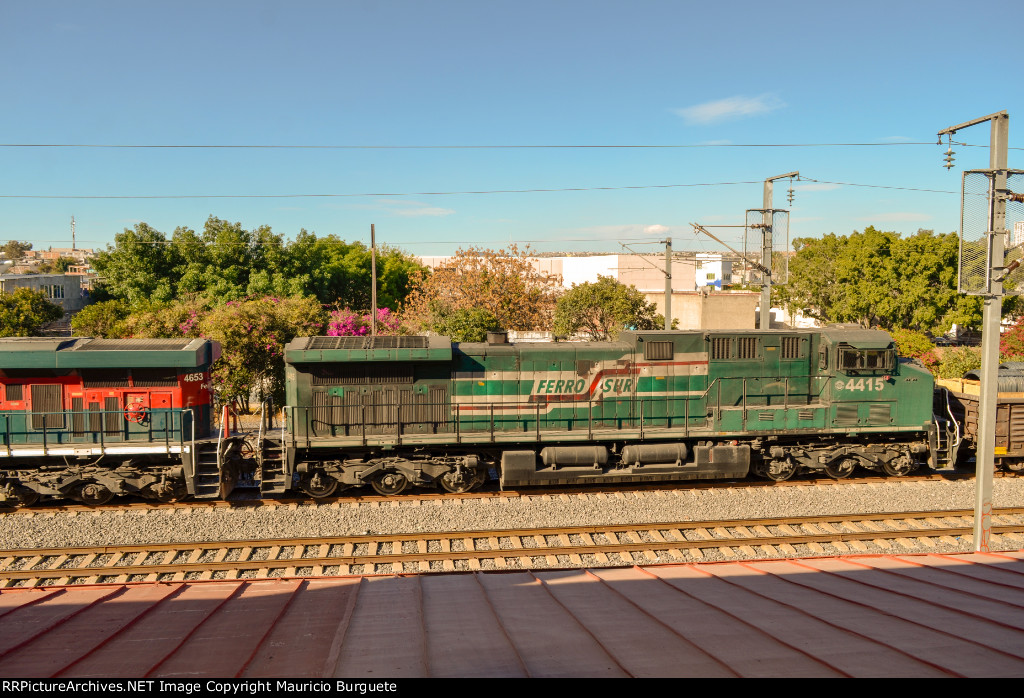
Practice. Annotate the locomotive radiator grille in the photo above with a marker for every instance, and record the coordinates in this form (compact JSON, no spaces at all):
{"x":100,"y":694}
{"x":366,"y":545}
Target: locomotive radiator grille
{"x":846,"y":414}
{"x":47,"y":399}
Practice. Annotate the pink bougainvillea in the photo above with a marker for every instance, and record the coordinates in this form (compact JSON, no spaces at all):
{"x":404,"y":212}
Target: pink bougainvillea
{"x":346,"y":323}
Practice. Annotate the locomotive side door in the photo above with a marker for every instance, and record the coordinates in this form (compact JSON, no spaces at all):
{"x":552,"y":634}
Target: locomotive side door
{"x":160,"y":414}
{"x":136,"y":412}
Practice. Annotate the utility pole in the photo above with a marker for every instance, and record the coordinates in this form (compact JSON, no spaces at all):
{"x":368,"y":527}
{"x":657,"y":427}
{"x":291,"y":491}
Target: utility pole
{"x":766,"y":250}
{"x":668,"y":283}
{"x":668,"y":276}
{"x":992,"y":317}
{"x":373,"y":281}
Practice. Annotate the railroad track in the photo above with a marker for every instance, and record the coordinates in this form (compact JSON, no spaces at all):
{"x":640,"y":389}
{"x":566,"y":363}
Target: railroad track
{"x":244,"y":499}
{"x":614,"y":545}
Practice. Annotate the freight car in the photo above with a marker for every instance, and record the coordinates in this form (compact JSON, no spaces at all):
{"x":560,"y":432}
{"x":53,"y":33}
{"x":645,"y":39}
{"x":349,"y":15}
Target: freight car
{"x":86,"y":419}
{"x":395,"y":412}
{"x":959,"y":398}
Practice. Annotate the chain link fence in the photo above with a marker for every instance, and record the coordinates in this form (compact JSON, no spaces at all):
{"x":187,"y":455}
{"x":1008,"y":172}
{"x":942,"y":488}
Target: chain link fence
{"x":974,"y":277}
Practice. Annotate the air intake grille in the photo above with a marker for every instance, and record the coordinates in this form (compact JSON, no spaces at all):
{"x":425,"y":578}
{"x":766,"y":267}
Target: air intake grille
{"x":134,"y":345}
{"x":47,"y":399}
{"x":791,"y":347}
{"x":846,"y":414}
{"x":388,"y":342}
{"x":654,"y":351}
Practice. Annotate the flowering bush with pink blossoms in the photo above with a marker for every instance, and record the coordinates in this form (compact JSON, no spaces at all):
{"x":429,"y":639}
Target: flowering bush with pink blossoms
{"x":346,"y":323}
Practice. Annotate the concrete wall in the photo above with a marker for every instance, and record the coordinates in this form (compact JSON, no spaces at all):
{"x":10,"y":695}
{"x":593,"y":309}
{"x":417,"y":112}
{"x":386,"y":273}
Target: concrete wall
{"x":64,"y":290}
{"x":710,"y":311}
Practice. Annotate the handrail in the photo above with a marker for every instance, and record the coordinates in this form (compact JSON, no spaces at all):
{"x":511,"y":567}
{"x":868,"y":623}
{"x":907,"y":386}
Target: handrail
{"x":72,"y":434}
{"x":949,"y":410}
{"x":484,"y":421}
{"x":259,"y":432}
{"x":220,"y":432}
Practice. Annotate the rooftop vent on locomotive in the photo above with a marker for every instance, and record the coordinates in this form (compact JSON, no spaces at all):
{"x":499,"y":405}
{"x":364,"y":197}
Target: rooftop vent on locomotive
{"x":87,"y":419}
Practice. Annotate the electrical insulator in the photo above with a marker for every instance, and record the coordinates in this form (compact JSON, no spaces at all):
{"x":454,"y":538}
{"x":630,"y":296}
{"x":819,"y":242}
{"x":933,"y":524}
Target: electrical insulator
{"x":789,"y":195}
{"x":949,"y":152}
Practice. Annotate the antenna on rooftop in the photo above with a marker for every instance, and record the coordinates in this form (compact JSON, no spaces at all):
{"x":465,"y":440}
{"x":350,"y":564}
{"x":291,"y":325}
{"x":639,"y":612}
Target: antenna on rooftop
{"x":72,"y":232}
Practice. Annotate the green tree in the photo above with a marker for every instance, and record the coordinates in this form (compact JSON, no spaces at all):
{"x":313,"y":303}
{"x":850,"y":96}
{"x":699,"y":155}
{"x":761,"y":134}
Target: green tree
{"x":916,"y":345}
{"x":23,"y":312}
{"x":14,"y":249}
{"x":226,"y":262}
{"x":466,"y":324}
{"x":139,"y":267}
{"x":958,"y":361}
{"x":602,"y":309}
{"x":105,"y":319}
{"x":336,"y":271}
{"x":252,"y":334}
{"x":877,"y":278}
{"x":56,"y":266}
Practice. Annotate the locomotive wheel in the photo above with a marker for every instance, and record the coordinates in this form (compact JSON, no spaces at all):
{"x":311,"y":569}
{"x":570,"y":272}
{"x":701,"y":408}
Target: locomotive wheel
{"x":899,"y":466}
{"x":318,"y":485}
{"x":94,"y":494}
{"x":457,"y":485}
{"x":389,"y":483}
{"x":1015,"y":465}
{"x":840,"y":469}
{"x":24,"y":497}
{"x":779,"y":470}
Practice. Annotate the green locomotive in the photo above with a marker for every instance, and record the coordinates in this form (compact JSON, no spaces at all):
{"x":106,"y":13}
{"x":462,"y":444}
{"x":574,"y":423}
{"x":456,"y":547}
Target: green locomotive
{"x":394,"y":412}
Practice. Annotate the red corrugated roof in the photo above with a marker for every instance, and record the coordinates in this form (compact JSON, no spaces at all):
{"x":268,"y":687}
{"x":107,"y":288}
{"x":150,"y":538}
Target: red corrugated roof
{"x":914,"y":615}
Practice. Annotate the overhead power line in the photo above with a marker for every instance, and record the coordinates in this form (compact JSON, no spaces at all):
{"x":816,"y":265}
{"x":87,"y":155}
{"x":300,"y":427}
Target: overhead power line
{"x":880,"y":186}
{"x":314,"y":196}
{"x":451,"y":193}
{"x":255,"y":146}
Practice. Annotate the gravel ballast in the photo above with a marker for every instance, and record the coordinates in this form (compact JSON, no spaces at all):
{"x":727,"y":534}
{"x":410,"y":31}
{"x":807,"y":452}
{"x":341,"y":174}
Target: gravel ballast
{"x":53,"y":529}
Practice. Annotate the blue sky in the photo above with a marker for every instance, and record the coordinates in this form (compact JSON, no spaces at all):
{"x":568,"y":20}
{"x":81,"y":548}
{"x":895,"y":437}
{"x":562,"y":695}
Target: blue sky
{"x":523,"y":73}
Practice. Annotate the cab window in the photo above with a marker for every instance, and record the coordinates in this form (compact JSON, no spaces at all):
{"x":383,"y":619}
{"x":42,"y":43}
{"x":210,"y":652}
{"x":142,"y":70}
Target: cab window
{"x":851,"y":359}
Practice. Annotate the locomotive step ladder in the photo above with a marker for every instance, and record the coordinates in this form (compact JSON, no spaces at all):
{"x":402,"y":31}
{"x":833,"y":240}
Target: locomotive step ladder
{"x":271,"y":468}
{"x":207,"y":472}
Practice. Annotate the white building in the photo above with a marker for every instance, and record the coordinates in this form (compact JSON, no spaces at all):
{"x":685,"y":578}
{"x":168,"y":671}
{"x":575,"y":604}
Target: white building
{"x":690,"y":309}
{"x":712,"y":270}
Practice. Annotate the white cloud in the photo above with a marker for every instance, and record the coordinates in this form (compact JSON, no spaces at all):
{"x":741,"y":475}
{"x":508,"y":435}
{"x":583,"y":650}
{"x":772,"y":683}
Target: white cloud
{"x":730,"y":108}
{"x":656,"y":229}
